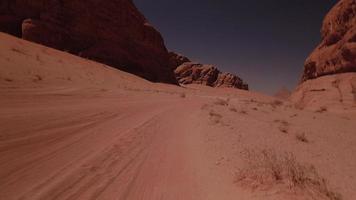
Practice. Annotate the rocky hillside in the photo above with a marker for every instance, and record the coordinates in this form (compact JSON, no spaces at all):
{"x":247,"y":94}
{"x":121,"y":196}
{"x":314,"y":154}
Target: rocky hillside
{"x":113,"y":32}
{"x":335,"y":57}
{"x":337,"y":50}
{"x":196,"y":73}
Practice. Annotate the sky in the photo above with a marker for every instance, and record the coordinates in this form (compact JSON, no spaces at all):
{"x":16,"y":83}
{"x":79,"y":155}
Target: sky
{"x":265,"y":42}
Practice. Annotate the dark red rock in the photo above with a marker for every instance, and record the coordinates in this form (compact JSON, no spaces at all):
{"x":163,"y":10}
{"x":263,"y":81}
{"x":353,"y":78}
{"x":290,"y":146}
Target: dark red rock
{"x":113,"y":32}
{"x":195,"y":73}
{"x":176,"y":60}
{"x":337,"y":51}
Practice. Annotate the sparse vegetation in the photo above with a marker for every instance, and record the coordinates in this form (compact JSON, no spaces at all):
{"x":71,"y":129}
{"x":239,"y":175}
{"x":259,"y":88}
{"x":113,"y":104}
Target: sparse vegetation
{"x":283,"y":129}
{"x":268,"y":168}
{"x":37,"y":78}
{"x":215,"y":117}
{"x":222,"y":102}
{"x":277,"y":103}
{"x":243,"y":112}
{"x":182,"y":95}
{"x":302,"y":137}
{"x":8,"y":79}
{"x":17,"y":50}
{"x":233,"y":109}
{"x":284,"y":125}
{"x":322,"y":109}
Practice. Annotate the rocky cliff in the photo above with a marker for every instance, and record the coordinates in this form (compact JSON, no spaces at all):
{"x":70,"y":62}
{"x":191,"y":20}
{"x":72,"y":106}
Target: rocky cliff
{"x":196,"y":73}
{"x":113,"y":32}
{"x":335,"y":57}
{"x":337,"y":50}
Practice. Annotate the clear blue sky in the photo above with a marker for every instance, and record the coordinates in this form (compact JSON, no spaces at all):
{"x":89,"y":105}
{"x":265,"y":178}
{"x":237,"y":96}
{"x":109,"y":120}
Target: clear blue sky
{"x":265,"y":42}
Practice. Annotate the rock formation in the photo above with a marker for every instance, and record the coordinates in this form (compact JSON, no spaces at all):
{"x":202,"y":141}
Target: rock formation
{"x":176,"y":60}
{"x":113,"y":32}
{"x":337,"y":51}
{"x":195,"y":73}
{"x":335,"y":57}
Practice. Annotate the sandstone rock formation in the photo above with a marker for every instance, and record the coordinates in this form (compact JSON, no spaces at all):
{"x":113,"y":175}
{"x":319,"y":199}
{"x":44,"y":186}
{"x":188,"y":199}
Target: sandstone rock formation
{"x":176,"y":60}
{"x":334,"y":92}
{"x":113,"y":32}
{"x":195,"y":73}
{"x":337,"y":51}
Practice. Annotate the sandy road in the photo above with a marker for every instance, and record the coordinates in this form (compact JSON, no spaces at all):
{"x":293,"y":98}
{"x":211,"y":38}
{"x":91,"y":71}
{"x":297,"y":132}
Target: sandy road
{"x":99,"y":148}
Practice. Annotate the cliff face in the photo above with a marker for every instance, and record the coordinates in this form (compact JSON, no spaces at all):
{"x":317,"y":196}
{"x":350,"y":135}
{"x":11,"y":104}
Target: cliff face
{"x":337,"y":50}
{"x":196,"y":73}
{"x":113,"y":32}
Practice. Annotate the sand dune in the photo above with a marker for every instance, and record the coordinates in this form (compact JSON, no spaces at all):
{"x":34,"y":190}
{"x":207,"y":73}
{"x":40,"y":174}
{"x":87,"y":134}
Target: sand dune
{"x":76,"y":129}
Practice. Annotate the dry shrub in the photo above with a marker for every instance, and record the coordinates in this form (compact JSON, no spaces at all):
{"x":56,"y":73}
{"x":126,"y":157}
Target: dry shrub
{"x":302,"y":137}
{"x":37,"y":78}
{"x":17,"y":50}
{"x":215,"y":117}
{"x":243,"y":112}
{"x":322,"y":109}
{"x":267,"y":168}
{"x":277,"y":103}
{"x":8,"y":79}
{"x":283,"y":129}
{"x":222,"y":102}
{"x":233,"y":109}
{"x":182,"y":95}
{"x":284,"y":125}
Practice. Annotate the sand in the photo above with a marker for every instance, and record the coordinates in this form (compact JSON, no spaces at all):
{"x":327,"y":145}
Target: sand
{"x":75,"y":129}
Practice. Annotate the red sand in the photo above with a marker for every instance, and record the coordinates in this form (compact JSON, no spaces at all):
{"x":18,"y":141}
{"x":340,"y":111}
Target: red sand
{"x":75,"y":129}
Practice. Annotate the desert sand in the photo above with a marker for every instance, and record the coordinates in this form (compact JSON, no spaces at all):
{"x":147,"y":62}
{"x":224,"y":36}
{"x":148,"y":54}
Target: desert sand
{"x":71,"y":128}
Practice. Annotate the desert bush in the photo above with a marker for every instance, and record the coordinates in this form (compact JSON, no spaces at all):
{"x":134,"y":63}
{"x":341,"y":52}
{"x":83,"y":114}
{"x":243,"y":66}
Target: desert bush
{"x":243,"y":112}
{"x":182,"y":95}
{"x":8,"y":79}
{"x":233,"y":109}
{"x":301,"y":137}
{"x":215,"y":117}
{"x":37,"y":78}
{"x":222,"y":102}
{"x":276,"y":103}
{"x":268,"y":168}
{"x":322,"y":109}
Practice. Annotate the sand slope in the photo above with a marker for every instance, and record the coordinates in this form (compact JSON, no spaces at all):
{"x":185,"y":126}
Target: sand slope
{"x":76,"y":129}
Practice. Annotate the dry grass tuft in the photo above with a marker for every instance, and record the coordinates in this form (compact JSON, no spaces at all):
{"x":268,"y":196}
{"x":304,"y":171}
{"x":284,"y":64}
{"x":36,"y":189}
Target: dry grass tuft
{"x":222,"y":102}
{"x":277,"y":103}
{"x":243,"y":112}
{"x":233,"y":109}
{"x":266,"y":168}
{"x":302,"y":137}
{"x":322,"y":109}
{"x":215,"y":117}
{"x":8,"y":80}
{"x":17,"y":50}
{"x":284,"y":125}
{"x":37,"y":78}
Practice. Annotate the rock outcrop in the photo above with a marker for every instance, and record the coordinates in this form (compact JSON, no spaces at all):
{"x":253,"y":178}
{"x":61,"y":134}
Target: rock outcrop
{"x":113,"y":32}
{"x":176,"y":60}
{"x":337,"y":51}
{"x":195,"y":73}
